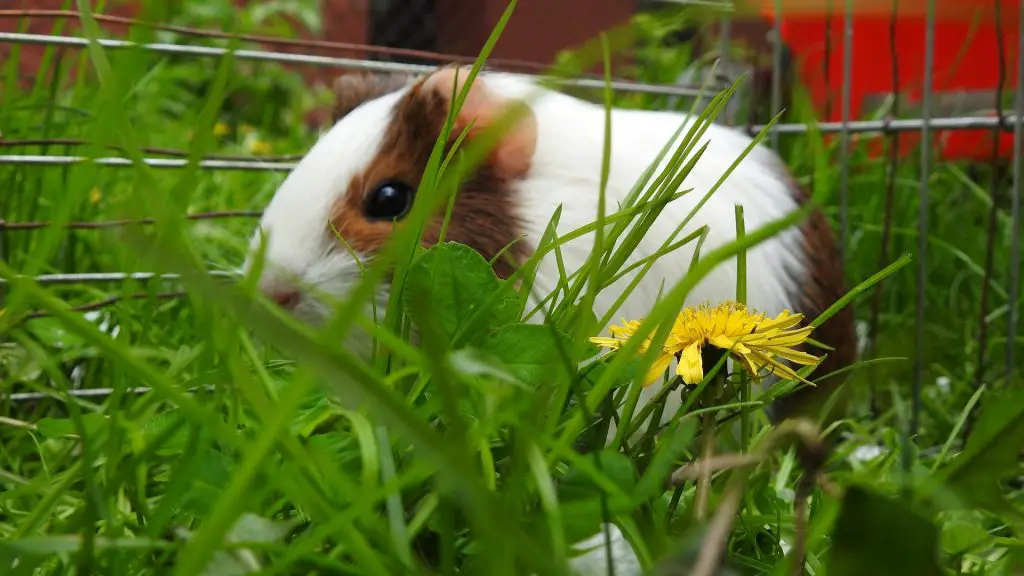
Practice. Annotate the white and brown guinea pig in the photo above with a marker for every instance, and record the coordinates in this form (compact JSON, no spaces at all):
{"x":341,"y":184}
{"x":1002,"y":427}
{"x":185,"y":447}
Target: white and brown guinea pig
{"x":362,"y":174}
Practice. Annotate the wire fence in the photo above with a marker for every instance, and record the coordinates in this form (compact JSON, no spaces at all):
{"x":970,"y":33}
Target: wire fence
{"x":890,"y":129}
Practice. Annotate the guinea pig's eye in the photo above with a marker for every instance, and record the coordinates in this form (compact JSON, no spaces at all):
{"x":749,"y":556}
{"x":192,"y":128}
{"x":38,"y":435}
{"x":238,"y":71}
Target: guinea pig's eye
{"x":390,"y":200}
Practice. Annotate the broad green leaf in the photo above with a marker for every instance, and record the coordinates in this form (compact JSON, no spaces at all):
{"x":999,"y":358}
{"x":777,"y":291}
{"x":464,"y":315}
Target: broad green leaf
{"x":307,"y":421}
{"x":1015,"y":558}
{"x":250,"y":528}
{"x":65,"y":427}
{"x":213,"y":474}
{"x":528,"y":351}
{"x":960,"y":536}
{"x":673,"y":443}
{"x":473,"y":362}
{"x":613,"y":466}
{"x":51,"y":332}
{"x":167,"y":425}
{"x":991,"y":453}
{"x":883,"y":537}
{"x":455,"y":281}
{"x":608,"y":474}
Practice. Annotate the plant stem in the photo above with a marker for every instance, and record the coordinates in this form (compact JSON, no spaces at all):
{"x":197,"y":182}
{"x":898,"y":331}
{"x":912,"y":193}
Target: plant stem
{"x":700,"y":509}
{"x":709,"y":398}
{"x":741,"y":297}
{"x":803,"y":492}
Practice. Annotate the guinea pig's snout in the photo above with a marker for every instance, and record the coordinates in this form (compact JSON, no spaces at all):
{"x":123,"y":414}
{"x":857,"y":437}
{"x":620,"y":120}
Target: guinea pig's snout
{"x":284,"y":295}
{"x":287,"y":298}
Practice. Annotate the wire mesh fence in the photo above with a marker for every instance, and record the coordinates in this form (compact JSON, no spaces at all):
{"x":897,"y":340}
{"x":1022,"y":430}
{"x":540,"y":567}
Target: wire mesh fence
{"x":405,"y":38}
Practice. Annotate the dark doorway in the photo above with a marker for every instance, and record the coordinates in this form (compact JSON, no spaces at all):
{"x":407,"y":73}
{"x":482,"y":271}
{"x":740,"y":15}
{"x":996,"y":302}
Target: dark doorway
{"x":409,"y":24}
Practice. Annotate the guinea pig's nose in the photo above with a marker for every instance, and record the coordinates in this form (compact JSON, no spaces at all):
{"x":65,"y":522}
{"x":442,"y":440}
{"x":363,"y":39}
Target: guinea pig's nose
{"x":285,"y":296}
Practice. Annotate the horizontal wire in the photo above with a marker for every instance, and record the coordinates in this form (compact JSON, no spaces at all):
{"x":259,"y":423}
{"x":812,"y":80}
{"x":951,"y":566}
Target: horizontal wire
{"x":86,"y":393}
{"x":858,"y":127}
{"x":273,"y":40}
{"x":99,"y":224}
{"x":101,"y":277}
{"x":55,"y":142}
{"x":348,"y":63}
{"x":45,"y":160}
{"x":893,"y":125}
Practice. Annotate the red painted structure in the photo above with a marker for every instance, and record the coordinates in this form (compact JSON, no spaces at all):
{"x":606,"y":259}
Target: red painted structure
{"x":965,"y":73}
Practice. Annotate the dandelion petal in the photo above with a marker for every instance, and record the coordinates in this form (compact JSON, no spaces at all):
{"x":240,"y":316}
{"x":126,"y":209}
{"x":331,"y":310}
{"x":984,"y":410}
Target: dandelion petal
{"x":691,"y":368}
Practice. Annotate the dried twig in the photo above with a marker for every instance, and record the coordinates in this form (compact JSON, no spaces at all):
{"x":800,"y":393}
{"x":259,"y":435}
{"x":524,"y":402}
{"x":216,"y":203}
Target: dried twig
{"x":803,"y":492}
{"x":809,"y":451}
{"x":5,"y":421}
{"x":718,"y":532}
{"x":99,"y":304}
{"x":717,"y":463}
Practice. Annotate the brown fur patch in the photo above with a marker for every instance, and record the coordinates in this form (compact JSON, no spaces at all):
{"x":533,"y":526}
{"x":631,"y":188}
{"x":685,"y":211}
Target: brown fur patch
{"x":822,"y":285}
{"x":484,"y":214}
{"x":351,"y":90}
{"x":483,"y":109}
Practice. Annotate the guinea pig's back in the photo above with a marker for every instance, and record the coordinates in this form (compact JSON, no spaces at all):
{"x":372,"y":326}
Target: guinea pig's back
{"x":759,"y":183}
{"x":798,"y":269}
{"x":566,"y":172}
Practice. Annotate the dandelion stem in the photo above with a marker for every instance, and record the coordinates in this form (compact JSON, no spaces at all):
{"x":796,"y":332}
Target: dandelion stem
{"x":709,"y":397}
{"x":700,"y":509}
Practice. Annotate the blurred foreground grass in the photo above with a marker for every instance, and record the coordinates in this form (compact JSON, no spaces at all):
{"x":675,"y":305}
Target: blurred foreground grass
{"x":254,"y":454}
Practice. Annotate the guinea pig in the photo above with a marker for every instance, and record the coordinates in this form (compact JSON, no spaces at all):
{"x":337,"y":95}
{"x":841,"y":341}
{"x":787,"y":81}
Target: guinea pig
{"x":360,"y":178}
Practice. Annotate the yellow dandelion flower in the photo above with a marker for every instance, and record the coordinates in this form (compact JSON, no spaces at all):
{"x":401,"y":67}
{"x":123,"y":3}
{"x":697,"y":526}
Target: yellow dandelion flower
{"x":221,"y":129}
{"x":259,"y":147}
{"x":246,"y":129}
{"x":95,"y":196}
{"x":753,"y":340}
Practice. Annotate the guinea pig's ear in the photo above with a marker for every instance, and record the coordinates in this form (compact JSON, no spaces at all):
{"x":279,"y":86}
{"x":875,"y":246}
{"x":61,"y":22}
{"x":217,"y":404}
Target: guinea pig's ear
{"x":351,"y":90}
{"x":483,"y":107}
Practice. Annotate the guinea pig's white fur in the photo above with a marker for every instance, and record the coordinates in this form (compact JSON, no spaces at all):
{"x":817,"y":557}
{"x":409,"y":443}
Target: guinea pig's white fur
{"x":564,"y":171}
{"x":298,"y":251}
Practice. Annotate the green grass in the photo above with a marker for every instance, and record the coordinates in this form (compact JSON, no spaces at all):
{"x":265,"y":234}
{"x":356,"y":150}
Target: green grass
{"x":263,"y":449}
